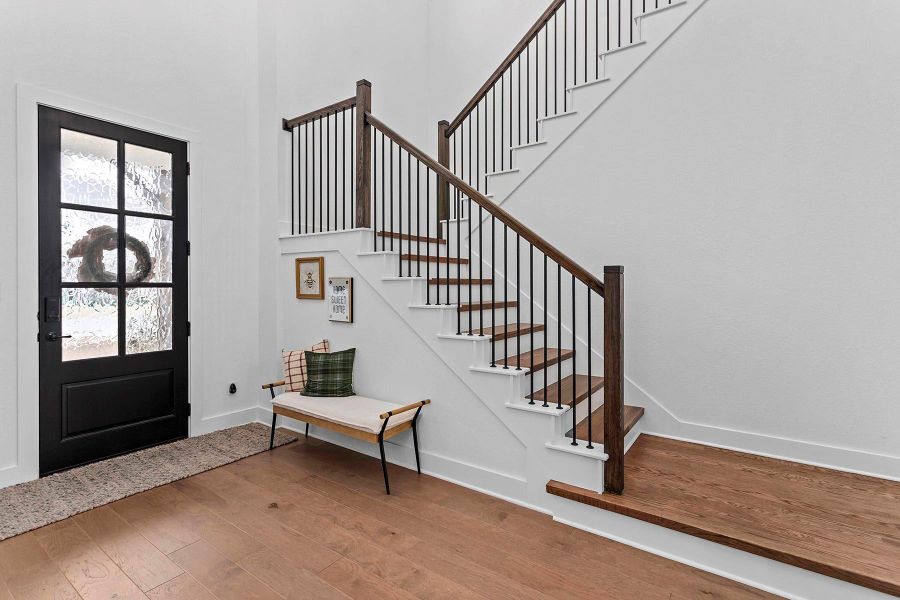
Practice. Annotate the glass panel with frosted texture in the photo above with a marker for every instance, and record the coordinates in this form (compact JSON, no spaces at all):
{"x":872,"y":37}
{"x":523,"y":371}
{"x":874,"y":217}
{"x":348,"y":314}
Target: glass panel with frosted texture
{"x":148,"y":320}
{"x":148,"y":180}
{"x":88,"y":169}
{"x":153,"y":250}
{"x":91,"y":317}
{"x":89,"y":246}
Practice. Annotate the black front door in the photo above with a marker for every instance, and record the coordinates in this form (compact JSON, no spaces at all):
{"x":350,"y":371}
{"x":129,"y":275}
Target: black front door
{"x":113,"y":286}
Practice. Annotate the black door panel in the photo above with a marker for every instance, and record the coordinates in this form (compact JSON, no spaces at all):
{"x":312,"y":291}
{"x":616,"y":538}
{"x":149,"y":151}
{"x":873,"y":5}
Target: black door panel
{"x":113,"y":283}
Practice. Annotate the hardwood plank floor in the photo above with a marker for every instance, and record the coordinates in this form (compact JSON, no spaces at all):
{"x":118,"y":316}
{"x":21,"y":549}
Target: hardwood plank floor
{"x":839,"y":524}
{"x":311,"y":520}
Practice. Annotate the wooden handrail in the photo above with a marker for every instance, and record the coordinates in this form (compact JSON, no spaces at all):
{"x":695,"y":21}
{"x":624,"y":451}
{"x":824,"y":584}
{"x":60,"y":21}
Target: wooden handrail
{"x":510,"y":221}
{"x":495,"y":76}
{"x":288,"y":124}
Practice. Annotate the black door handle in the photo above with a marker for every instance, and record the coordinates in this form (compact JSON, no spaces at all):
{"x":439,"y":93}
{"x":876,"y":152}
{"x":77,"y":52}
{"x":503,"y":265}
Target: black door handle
{"x":53,"y":337}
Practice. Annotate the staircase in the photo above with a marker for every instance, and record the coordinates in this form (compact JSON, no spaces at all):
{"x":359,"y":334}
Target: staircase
{"x":537,"y":337}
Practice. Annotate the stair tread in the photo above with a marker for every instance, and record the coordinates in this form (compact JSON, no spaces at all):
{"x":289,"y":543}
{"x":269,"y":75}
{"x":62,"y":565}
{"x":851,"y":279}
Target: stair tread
{"x":455,"y":280}
{"x":537,"y":360}
{"x":565,"y":389}
{"x":487,"y":305}
{"x":434,"y":258}
{"x":511,"y":330}
{"x":411,"y":237}
{"x":633,"y":414}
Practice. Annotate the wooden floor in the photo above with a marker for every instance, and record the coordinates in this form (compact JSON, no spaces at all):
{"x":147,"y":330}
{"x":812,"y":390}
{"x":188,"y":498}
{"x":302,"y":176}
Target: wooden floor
{"x":311,"y":520}
{"x":838,"y":524}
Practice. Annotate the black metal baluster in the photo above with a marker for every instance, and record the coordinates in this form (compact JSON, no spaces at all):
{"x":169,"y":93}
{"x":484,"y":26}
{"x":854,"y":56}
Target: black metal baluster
{"x":519,"y":105}
{"x":510,"y":116}
{"x":565,"y":47}
{"x":458,"y":269}
{"x":597,"y":39}
{"x":531,"y":318}
{"x":505,"y":302}
{"x":344,"y":165}
{"x":335,"y":171}
{"x":494,"y":127}
{"x":558,"y":336}
{"x":292,"y":179}
{"x":527,"y":93}
{"x":321,"y":198}
{"x":400,"y":212}
{"x":477,"y":155}
{"x":546,"y":67}
{"x":502,"y":122}
{"x":555,"y":64}
{"x":470,"y":269}
{"x":419,"y":218}
{"x":575,"y":42}
{"x":391,"y":188}
{"x":493,"y":295}
{"x":630,"y":21}
{"x":590,"y":373}
{"x":574,"y":365}
{"x":546,"y":332}
{"x":306,"y":177}
{"x":374,"y":192}
{"x":518,"y":307}
{"x":619,"y":22}
{"x":327,"y":180}
{"x":383,"y":199}
{"x":469,"y":119}
{"x":428,"y":235}
{"x":480,"y":271}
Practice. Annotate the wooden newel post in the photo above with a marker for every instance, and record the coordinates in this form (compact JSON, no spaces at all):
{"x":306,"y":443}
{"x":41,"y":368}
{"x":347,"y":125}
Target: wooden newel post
{"x":443,"y":158}
{"x":363,"y":154}
{"x":614,"y":379}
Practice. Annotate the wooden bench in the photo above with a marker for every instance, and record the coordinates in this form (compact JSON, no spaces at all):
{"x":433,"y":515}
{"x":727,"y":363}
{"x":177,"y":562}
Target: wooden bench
{"x":360,"y":417}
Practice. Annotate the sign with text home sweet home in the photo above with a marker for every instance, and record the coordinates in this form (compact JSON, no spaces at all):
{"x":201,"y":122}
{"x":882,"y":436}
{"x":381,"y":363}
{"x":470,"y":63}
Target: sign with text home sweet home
{"x":340,"y":299}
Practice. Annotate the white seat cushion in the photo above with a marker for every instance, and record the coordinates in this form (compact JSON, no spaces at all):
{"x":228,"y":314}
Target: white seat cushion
{"x":357,"y":412}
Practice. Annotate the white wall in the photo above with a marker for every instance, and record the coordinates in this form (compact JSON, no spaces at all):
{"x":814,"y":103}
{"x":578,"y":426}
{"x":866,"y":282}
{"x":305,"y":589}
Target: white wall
{"x":191,"y":65}
{"x":747,"y":177}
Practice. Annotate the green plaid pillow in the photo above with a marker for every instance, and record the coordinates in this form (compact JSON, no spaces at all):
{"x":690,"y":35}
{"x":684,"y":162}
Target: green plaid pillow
{"x":329,"y":374}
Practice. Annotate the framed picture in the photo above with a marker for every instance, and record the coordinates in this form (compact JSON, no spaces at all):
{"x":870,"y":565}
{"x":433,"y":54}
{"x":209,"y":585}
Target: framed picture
{"x":310,"y":274}
{"x":340,"y":299}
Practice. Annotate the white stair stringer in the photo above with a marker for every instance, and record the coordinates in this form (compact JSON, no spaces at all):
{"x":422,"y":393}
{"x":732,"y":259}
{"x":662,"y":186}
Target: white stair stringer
{"x":503,"y":391}
{"x":617,"y":66}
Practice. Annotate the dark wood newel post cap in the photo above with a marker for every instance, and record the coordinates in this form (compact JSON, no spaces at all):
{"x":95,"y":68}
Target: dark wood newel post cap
{"x":364,"y":82}
{"x":614,"y":269}
{"x":444,"y":122}
{"x":284,"y":125}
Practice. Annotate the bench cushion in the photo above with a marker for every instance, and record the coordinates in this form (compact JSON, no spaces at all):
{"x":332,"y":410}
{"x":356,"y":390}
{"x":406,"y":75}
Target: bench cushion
{"x":357,"y":412}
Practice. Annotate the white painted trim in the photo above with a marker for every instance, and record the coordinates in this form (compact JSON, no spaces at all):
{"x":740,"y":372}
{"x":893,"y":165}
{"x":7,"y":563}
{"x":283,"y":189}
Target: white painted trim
{"x":28,"y":98}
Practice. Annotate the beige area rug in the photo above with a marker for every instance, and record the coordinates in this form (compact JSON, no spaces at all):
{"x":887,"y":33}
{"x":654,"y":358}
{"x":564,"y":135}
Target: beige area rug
{"x":37,"y":503}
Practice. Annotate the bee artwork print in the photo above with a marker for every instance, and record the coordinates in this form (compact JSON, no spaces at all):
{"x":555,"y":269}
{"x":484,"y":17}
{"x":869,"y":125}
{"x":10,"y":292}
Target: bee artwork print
{"x":310,"y":278}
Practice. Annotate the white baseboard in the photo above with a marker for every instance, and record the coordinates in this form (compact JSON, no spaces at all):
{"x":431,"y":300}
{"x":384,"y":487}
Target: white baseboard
{"x":225,"y":420}
{"x":504,"y":486}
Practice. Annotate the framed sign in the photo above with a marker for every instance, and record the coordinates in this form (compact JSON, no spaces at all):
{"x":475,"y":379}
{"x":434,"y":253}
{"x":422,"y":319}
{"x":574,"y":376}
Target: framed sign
{"x":310,"y":274}
{"x":340,"y":299}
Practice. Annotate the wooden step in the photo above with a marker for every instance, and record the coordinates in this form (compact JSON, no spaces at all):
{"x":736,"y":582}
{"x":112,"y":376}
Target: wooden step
{"x":565,"y":390}
{"x":456,"y":280}
{"x":412,"y":238}
{"x":487,"y":305}
{"x":501,"y":332}
{"x":831,"y":522}
{"x":438,"y":259}
{"x":537,"y":360}
{"x":633,"y":414}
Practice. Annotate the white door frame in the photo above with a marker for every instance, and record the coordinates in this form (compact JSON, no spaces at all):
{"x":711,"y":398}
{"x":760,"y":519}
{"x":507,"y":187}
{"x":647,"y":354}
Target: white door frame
{"x":29,"y":98}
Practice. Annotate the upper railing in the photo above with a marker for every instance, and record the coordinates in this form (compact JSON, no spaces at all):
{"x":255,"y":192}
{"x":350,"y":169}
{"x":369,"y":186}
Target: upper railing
{"x":367,"y":175}
{"x":561,"y":51}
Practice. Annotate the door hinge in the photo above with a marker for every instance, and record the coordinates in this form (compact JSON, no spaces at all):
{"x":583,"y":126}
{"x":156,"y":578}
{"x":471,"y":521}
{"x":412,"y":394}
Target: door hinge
{"x":188,"y":168}
{"x":189,"y":328}
{"x":188,"y":247}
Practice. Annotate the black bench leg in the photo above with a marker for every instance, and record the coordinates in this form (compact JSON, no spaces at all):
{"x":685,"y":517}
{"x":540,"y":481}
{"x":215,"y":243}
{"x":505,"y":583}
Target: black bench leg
{"x":272,"y":435}
{"x":307,"y":430}
{"x":416,"y":446}
{"x":387,"y":487}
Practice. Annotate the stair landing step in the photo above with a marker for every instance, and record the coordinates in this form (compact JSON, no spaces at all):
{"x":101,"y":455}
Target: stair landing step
{"x":564,"y":388}
{"x":434,"y":258}
{"x":633,"y":414}
{"x":826,"y":521}
{"x":456,"y":280}
{"x":501,"y":332}
{"x":487,"y":305}
{"x":410,"y":237}
{"x":538,"y":359}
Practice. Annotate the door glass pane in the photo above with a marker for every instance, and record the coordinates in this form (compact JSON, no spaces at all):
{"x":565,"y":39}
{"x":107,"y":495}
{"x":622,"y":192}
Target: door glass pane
{"x":149,"y":249}
{"x":148,"y":320}
{"x":91,"y":317}
{"x":148,"y":180}
{"x":88,"y":169}
{"x":89,"y":246}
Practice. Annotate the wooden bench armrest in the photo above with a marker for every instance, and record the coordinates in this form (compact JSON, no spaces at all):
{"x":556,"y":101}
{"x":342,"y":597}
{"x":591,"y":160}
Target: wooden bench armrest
{"x":269,"y":386}
{"x":403,"y":409}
